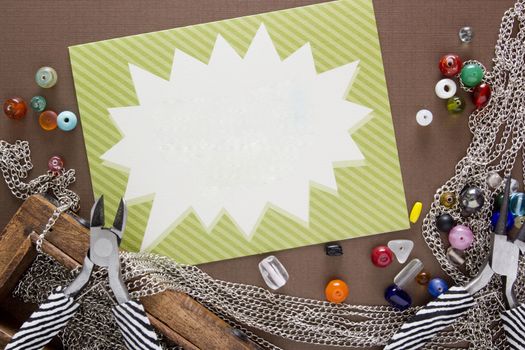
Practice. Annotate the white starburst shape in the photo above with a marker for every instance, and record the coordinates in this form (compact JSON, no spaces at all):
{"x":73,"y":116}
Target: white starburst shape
{"x":235,"y":135}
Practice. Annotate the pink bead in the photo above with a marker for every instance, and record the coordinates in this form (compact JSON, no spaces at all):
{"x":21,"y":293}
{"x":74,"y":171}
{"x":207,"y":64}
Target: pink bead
{"x":55,"y":164}
{"x":460,"y":237}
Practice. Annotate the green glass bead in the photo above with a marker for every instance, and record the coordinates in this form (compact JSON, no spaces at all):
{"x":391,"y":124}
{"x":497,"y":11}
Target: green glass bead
{"x":455,"y":104}
{"x":498,"y":201}
{"x":471,"y":74}
{"x":38,"y":103}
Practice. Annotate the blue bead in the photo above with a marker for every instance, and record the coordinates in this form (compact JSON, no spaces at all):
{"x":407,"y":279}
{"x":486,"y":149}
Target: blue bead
{"x":495,"y":217}
{"x":517,"y":204}
{"x":437,"y":286}
{"x":67,"y":121}
{"x":397,"y":297}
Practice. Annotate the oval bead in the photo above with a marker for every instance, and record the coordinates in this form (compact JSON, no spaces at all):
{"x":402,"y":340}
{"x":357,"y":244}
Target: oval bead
{"x":471,"y":74}
{"x":455,"y":105}
{"x":382,"y":256}
{"x":481,"y":95}
{"x":67,"y":121}
{"x":424,"y":117}
{"x":445,"y":223}
{"x":397,"y":297}
{"x":15,"y":108}
{"x":445,"y":88}
{"x":46,"y":77}
{"x":461,"y":237}
{"x":450,"y":65}
{"x":495,"y":217}
{"x":415,"y":212}
{"x":336,"y":291}
{"x":471,"y":200}
{"x":437,"y":286}
{"x":55,"y":164}
{"x":423,"y":278}
{"x":38,"y":103}
{"x":48,"y":120}
{"x":448,"y":199}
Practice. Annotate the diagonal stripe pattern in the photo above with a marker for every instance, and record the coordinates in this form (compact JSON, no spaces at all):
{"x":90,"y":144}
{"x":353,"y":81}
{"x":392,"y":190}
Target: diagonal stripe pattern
{"x":135,"y":326}
{"x":514,"y":326}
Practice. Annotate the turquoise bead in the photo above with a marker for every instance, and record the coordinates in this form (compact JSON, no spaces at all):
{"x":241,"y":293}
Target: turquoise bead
{"x":67,"y":121}
{"x":517,"y":204}
{"x":46,"y":77}
{"x":471,"y":74}
{"x":38,"y":103}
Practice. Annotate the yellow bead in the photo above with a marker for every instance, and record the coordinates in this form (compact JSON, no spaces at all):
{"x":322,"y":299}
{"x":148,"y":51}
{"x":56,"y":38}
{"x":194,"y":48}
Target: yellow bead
{"x":416,"y":212}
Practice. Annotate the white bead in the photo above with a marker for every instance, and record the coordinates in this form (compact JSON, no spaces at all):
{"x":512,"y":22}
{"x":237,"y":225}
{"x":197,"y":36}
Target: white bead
{"x":424,"y":117}
{"x":494,"y":180}
{"x":514,"y":185}
{"x":401,"y":249}
{"x":445,"y":88}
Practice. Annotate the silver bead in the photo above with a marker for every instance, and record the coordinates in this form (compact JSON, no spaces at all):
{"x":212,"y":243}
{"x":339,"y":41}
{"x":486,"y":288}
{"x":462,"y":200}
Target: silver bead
{"x":494,"y":180}
{"x":455,"y":256}
{"x":471,"y":200}
{"x":466,"y":34}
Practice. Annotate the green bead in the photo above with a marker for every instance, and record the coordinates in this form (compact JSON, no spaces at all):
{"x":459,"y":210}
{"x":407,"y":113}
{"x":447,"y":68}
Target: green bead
{"x":471,"y":74}
{"x":38,"y":103}
{"x":455,"y":104}
{"x":498,"y":201}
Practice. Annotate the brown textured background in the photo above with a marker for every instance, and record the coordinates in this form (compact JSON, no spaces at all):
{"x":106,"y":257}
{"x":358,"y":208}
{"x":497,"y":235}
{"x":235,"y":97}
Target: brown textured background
{"x":413,"y":34}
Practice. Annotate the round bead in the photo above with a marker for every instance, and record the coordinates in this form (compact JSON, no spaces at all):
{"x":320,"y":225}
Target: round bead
{"x":471,"y":74}
{"x":336,"y":291}
{"x":448,"y":199}
{"x":55,"y":164}
{"x":494,"y":180}
{"x":424,"y":117}
{"x":445,"y":88}
{"x":460,"y":237}
{"x":67,"y":121}
{"x":15,"y":108}
{"x":423,"y":278}
{"x":48,"y":120}
{"x":481,"y":95}
{"x":455,"y":256}
{"x":495,"y":217}
{"x":518,"y":221}
{"x":397,"y":297}
{"x":450,"y":65}
{"x":437,"y":286}
{"x":38,"y":103}
{"x":382,"y":256}
{"x":445,"y":223}
{"x":471,"y":200}
{"x":517,"y":204}
{"x":466,"y":34}
{"x":46,"y":77}
{"x":455,"y":105}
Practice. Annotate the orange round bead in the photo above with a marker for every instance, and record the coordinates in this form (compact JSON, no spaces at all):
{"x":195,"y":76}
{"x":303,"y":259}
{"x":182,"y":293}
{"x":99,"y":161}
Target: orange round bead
{"x":15,"y":108}
{"x":336,"y":291}
{"x":48,"y":120}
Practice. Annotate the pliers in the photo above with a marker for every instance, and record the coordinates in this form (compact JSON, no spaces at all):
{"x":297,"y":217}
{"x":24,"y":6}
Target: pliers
{"x":445,"y":309}
{"x":61,"y":306}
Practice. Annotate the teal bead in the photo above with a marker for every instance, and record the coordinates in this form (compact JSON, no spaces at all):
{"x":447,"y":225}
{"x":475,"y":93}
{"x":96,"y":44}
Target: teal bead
{"x":67,"y":121}
{"x":46,"y":77}
{"x":455,"y":105}
{"x":471,"y":74}
{"x":517,"y":204}
{"x":38,"y":103}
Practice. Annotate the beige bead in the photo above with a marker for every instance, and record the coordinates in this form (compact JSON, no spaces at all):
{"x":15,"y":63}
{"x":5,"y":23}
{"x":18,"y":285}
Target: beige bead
{"x":494,"y":180}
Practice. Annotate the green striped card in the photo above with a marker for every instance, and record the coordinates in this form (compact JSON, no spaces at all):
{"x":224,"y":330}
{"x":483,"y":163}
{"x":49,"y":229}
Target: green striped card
{"x":244,"y":136}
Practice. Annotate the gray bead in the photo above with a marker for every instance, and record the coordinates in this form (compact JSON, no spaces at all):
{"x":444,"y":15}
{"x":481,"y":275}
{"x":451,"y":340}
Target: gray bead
{"x":471,"y":200}
{"x":455,"y":256}
{"x":466,"y":34}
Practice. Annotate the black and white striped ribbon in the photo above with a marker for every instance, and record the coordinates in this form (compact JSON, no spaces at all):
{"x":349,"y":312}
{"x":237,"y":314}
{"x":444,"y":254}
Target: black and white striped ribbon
{"x":514,"y":325}
{"x":45,"y":323}
{"x":430,"y":320}
{"x":135,"y":326}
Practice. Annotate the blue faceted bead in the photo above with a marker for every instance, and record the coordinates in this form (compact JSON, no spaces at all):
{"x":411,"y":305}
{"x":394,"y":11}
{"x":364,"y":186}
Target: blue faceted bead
{"x":397,"y":297}
{"x":495,"y":217}
{"x":517,"y":204}
{"x":437,"y":286}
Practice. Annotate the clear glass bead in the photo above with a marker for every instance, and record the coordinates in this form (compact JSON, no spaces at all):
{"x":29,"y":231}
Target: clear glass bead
{"x":273,"y":272}
{"x":466,"y":34}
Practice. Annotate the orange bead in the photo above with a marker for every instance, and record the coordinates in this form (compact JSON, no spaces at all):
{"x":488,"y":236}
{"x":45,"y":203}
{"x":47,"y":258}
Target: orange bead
{"x":336,"y":291}
{"x":48,"y":120}
{"x":15,"y":108}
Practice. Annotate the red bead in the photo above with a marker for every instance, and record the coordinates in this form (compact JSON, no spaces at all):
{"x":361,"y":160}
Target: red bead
{"x":15,"y":108}
{"x":481,"y":95}
{"x":450,"y":65}
{"x":55,"y":164}
{"x":382,"y":256}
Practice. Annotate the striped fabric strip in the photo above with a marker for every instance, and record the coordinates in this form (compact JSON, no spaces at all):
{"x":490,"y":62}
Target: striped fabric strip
{"x":430,"y":320}
{"x":514,"y":325}
{"x":135,"y":326}
{"x":50,"y":318}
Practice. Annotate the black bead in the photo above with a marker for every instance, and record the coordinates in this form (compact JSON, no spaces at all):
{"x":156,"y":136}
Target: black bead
{"x":333,"y":249}
{"x":445,"y":222}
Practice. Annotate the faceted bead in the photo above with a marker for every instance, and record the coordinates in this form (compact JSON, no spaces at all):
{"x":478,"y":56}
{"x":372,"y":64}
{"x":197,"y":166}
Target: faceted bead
{"x":424,"y":117}
{"x":437,"y":286}
{"x":15,"y":108}
{"x":514,"y":185}
{"x":455,"y":105}
{"x":448,"y":199}
{"x":46,"y":77}
{"x":397,"y":297}
{"x":471,"y":200}
{"x":466,"y":34}
{"x":401,"y":249}
{"x":450,"y":65}
{"x":455,"y":256}
{"x":517,"y":204}
{"x":382,"y":256}
{"x":333,"y":249}
{"x":273,"y":272}
{"x":55,"y":164}
{"x":66,"y":121}
{"x":495,"y":217}
{"x":423,"y":278}
{"x":336,"y":291}
{"x":48,"y":120}
{"x":518,"y":221}
{"x":494,"y":180}
{"x":445,"y":88}
{"x":415,"y":212}
{"x":445,"y":222}
{"x":460,"y":237}
{"x":481,"y":95}
{"x":38,"y":103}
{"x":471,"y":74}
{"x":408,"y":273}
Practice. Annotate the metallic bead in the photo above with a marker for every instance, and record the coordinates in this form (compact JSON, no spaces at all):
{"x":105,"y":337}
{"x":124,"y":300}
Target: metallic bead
{"x":333,"y":249}
{"x":466,"y":34}
{"x":455,"y":256}
{"x":448,"y":199}
{"x":471,"y":200}
{"x":273,"y":272}
{"x":423,"y":278}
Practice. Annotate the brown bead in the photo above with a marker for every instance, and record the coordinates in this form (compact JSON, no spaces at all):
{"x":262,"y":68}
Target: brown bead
{"x":15,"y":108}
{"x":448,"y":199}
{"x":423,"y":278}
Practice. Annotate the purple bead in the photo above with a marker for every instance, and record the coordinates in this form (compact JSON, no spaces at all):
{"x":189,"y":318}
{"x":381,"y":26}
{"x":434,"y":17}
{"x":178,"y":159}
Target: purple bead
{"x":460,"y":237}
{"x":397,"y":297}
